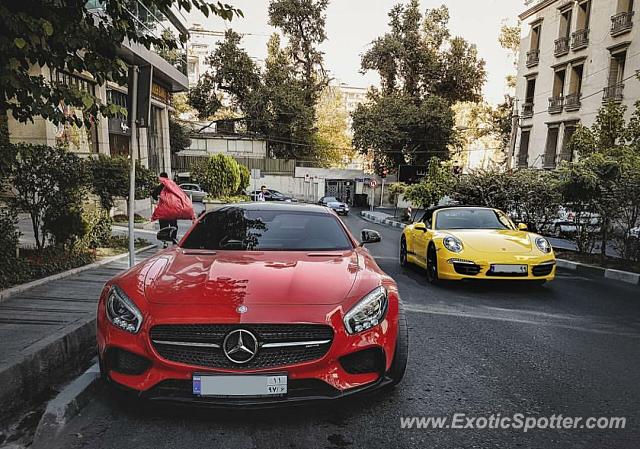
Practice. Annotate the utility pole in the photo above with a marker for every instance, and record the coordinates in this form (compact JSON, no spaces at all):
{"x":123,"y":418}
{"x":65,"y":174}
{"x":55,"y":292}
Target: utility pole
{"x":133,"y":151}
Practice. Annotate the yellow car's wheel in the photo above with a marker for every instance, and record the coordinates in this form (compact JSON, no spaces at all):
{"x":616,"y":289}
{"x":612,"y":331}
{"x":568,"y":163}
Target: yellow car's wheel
{"x":432,"y":265}
{"x":403,"y":252}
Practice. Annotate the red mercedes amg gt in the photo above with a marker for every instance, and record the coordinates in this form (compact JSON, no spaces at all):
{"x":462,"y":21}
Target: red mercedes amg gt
{"x":259,"y":303}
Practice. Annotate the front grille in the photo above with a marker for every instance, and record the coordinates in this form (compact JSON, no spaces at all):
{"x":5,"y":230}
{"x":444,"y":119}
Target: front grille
{"x":469,"y":269}
{"x":543,"y":269}
{"x":213,"y":357}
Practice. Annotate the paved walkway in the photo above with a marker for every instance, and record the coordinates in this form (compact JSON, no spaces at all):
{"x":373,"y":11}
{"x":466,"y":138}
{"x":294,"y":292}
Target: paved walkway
{"x":48,"y":331}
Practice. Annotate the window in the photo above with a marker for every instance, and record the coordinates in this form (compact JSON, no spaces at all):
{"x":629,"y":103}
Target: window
{"x":523,"y":154}
{"x":572,"y":101}
{"x":238,"y":229}
{"x":613,"y":92}
{"x":470,"y":218}
{"x":565,"y":153}
{"x":551,"y":147}
{"x":198,"y":144}
{"x":533,"y":55}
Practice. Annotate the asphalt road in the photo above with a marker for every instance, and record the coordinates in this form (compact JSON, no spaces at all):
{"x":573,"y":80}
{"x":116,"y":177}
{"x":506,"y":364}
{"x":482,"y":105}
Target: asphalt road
{"x":569,"y":348}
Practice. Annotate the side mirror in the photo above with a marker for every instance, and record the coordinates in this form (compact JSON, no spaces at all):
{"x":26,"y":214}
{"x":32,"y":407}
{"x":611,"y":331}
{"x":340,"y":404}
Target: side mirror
{"x":167,"y":234}
{"x":370,"y":236}
{"x":420,"y":226}
{"x":522,"y":227}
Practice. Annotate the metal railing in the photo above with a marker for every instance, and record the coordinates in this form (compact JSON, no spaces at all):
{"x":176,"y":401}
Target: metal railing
{"x":613,"y":92}
{"x":533,"y":57}
{"x":555,"y":104}
{"x":549,"y":160}
{"x":527,"y":110}
{"x":562,"y":46}
{"x":572,"y":102}
{"x":580,"y":39}
{"x":621,"y":23}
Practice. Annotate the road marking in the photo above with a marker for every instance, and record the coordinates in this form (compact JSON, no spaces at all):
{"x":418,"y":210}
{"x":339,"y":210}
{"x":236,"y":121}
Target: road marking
{"x":492,"y":315}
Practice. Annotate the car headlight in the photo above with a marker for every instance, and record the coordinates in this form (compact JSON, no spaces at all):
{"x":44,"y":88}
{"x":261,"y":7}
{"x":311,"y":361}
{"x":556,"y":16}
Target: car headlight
{"x":452,"y":244}
{"x":368,"y":312}
{"x":543,"y":244}
{"x":122,"y":312}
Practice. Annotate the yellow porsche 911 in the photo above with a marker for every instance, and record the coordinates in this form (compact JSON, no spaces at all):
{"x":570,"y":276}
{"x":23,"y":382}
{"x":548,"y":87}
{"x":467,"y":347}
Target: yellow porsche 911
{"x":465,"y":242}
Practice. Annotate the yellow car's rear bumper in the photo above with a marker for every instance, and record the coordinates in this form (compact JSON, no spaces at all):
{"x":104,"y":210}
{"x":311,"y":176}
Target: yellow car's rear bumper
{"x":458,"y":268}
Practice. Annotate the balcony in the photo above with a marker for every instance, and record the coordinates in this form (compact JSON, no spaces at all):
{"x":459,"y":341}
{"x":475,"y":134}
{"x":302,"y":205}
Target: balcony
{"x":562,"y":46}
{"x":613,"y":93}
{"x":555,"y":104}
{"x":621,"y":23}
{"x":533,"y":58}
{"x":527,"y":110}
{"x":572,"y":102}
{"x":580,"y":39}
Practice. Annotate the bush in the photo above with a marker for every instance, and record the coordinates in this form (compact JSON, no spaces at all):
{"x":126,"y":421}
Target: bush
{"x":47,"y":180}
{"x":245,"y":178}
{"x":97,"y":225}
{"x":64,"y":224}
{"x":10,"y":265}
{"x":110,"y":179}
{"x":218,"y":175}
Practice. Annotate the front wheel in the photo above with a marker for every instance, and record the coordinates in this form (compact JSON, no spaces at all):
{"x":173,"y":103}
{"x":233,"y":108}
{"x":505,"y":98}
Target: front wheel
{"x":403,"y":252}
{"x":432,"y":265}
{"x":399,"y":363}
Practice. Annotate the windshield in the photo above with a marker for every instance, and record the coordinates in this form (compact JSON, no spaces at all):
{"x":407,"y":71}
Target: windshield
{"x":471,"y":219}
{"x":330,"y":199}
{"x":233,"y":228}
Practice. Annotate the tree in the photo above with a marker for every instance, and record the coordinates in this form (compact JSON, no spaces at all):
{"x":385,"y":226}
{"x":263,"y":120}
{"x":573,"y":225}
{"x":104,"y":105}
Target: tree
{"x":509,"y":39}
{"x":171,"y":54}
{"x":438,"y":183}
{"x":423,"y":71}
{"x":45,"y":179}
{"x":179,"y":135}
{"x":332,"y":145}
{"x":219,"y":175}
{"x":245,"y":179}
{"x":67,"y":35}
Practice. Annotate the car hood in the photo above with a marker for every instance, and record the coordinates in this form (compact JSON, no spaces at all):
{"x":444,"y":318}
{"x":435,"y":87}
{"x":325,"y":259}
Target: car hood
{"x":492,"y":240}
{"x":272,"y":277}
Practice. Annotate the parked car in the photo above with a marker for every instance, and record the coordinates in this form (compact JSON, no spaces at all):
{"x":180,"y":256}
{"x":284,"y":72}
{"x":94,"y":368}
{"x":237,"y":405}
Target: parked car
{"x":194,"y":191}
{"x":272,"y":195}
{"x":259,"y":304}
{"x":467,"y":242}
{"x":564,"y":223}
{"x":337,"y":206}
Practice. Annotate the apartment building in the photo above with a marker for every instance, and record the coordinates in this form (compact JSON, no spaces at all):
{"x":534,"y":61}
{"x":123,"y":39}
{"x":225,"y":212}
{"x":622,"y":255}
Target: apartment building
{"x":575,"y":56}
{"x":112,"y":136}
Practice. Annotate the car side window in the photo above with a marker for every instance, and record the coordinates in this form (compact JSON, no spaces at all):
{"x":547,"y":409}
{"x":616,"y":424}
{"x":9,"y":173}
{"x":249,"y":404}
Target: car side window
{"x":427,"y":218}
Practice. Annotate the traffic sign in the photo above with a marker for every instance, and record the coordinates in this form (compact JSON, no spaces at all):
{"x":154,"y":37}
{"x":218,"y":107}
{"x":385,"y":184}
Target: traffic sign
{"x":373,"y":183}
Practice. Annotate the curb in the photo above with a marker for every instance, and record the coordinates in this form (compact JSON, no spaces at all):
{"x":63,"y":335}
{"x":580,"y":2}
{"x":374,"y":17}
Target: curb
{"x":65,"y":406}
{"x":607,"y":273}
{"x":7,"y":293}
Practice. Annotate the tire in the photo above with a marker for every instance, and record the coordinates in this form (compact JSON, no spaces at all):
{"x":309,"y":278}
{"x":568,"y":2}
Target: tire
{"x":403,"y":252}
{"x":399,"y":363}
{"x":432,"y":265}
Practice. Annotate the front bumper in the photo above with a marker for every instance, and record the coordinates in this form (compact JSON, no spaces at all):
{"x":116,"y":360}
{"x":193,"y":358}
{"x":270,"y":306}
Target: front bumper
{"x":452,"y":266}
{"x":324,"y":378}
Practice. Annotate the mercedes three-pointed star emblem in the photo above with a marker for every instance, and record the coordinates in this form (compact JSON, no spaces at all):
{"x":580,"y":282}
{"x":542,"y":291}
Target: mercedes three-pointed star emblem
{"x":240,"y":346}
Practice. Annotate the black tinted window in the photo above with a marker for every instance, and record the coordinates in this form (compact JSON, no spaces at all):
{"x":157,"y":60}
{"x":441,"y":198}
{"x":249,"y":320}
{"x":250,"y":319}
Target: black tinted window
{"x":471,"y":219}
{"x":234,"y":228}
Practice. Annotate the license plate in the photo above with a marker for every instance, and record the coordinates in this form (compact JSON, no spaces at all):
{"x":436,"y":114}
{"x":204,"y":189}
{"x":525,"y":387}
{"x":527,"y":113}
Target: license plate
{"x":508,"y":269}
{"x":239,"y":385}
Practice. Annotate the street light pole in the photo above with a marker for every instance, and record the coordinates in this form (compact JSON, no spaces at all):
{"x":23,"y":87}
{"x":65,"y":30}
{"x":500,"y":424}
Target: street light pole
{"x":133,"y":150}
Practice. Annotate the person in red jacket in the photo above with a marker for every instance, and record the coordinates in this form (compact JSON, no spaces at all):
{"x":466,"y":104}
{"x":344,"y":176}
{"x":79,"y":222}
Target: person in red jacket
{"x":155,"y":194}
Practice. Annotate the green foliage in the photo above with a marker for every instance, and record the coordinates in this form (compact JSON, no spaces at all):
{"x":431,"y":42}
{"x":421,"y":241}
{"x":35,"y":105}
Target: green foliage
{"x":46,"y":179}
{"x":230,"y":199}
{"x":10,"y":265}
{"x":218,"y":175}
{"x":67,"y":35}
{"x":438,"y":183}
{"x":279,"y":101}
{"x":97,"y":229}
{"x":64,"y":224}
{"x":179,"y":135}
{"x":109,"y":179}
{"x":245,"y":178}
{"x":332,"y":145}
{"x":423,"y":71}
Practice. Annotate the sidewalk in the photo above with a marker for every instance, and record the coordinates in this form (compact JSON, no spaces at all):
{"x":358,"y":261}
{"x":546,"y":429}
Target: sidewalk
{"x":48,"y":333}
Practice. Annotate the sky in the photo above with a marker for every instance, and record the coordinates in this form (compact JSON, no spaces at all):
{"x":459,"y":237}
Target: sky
{"x":352,"y":25}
